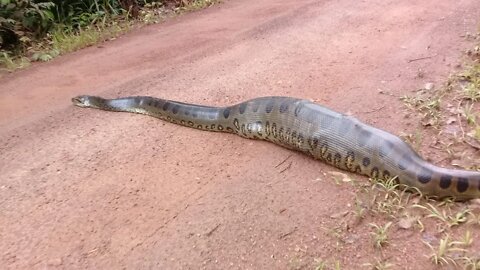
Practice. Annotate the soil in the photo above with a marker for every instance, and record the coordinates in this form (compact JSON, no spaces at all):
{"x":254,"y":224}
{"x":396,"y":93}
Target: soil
{"x":89,"y":189}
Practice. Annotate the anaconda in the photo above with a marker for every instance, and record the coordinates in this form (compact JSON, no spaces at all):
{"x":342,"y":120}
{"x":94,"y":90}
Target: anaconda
{"x":335,"y":138}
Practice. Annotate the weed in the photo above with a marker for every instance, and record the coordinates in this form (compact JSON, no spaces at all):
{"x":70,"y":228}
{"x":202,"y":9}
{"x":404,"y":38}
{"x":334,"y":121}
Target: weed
{"x":379,"y":265}
{"x":359,"y":209}
{"x":471,"y":90}
{"x":474,"y":219}
{"x":395,"y":199}
{"x":471,"y":263}
{"x":446,"y":252}
{"x":380,"y":235}
{"x":319,"y":264}
{"x":442,"y":215}
{"x":196,"y":5}
{"x":466,"y":240}
{"x":469,"y":114}
{"x":427,"y":104}
{"x":11,"y":63}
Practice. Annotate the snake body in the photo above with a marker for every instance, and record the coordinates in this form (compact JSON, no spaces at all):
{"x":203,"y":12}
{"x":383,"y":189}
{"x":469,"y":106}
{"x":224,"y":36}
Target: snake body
{"x":335,"y":138}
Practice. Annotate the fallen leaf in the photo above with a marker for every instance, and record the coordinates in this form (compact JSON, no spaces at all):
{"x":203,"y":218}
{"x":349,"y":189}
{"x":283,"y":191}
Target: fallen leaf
{"x":465,"y":163}
{"x":338,"y":175}
{"x":339,"y":215}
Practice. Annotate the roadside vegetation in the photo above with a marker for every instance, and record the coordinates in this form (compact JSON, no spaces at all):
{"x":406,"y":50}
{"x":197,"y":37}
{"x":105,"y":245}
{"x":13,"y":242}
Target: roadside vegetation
{"x":399,"y":219}
{"x":450,"y":115}
{"x":36,"y":30}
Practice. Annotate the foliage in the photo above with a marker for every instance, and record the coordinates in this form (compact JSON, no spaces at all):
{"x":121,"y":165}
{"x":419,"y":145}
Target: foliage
{"x":39,"y":30}
{"x":22,"y":19}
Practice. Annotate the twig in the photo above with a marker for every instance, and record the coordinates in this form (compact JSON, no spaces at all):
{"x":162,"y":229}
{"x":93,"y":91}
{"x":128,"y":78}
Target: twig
{"x":289,"y":156}
{"x":374,"y":110}
{"x":421,"y":58}
{"x":471,"y":144}
{"x":288,"y":167}
{"x":460,"y":120}
{"x":212,"y":230}
{"x":287,"y":233}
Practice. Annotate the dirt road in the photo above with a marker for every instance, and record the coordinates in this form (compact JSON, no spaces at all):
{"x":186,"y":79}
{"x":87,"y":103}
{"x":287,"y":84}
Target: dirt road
{"x":91,"y":189}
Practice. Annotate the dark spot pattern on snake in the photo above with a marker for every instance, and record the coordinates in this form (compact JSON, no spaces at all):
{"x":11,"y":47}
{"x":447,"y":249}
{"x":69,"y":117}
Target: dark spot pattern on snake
{"x":283,"y":107}
{"x":166,"y":105}
{"x":236,"y":124}
{"x":226,"y":113}
{"x":445,"y":181}
{"x":255,"y":107}
{"x":298,"y":108}
{"x":363,"y":137}
{"x":267,"y":128}
{"x":274,"y":130}
{"x":175,"y":109}
{"x":385,"y":148}
{"x":405,"y":162}
{"x":424,"y":176}
{"x":462,"y":184}
{"x":337,"y":159}
{"x":349,"y":160}
{"x":366,"y":161}
{"x":269,"y":107}
{"x":242,"y":108}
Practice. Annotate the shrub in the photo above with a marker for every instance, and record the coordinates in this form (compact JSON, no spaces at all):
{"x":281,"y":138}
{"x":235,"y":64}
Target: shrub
{"x":22,"y":19}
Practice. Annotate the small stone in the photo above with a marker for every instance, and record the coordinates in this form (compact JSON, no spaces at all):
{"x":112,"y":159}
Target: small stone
{"x":339,"y":215}
{"x":429,"y":86}
{"x":429,"y":238}
{"x":406,"y":223}
{"x":475,"y":202}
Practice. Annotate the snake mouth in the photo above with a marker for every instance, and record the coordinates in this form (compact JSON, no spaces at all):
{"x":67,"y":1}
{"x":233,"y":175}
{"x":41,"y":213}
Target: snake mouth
{"x":80,"y":101}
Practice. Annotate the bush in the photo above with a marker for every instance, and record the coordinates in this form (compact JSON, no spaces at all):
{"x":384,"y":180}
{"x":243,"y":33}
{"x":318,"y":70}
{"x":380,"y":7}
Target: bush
{"x":22,"y":19}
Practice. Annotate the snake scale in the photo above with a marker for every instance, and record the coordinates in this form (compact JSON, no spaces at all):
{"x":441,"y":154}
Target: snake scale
{"x":335,"y":138}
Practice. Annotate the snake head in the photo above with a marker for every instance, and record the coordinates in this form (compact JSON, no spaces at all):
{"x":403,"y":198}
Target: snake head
{"x":86,"y":101}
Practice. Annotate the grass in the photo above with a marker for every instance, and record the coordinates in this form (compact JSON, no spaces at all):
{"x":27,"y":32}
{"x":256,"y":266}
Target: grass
{"x":427,"y":105}
{"x":197,"y":4}
{"x":448,"y":218}
{"x":323,"y":265}
{"x":380,"y":234}
{"x":10,"y":62}
{"x":450,"y":252}
{"x":64,"y":41}
{"x":470,"y":82}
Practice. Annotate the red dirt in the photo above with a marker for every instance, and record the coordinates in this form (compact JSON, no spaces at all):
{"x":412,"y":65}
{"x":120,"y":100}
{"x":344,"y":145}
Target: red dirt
{"x":91,"y":189}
